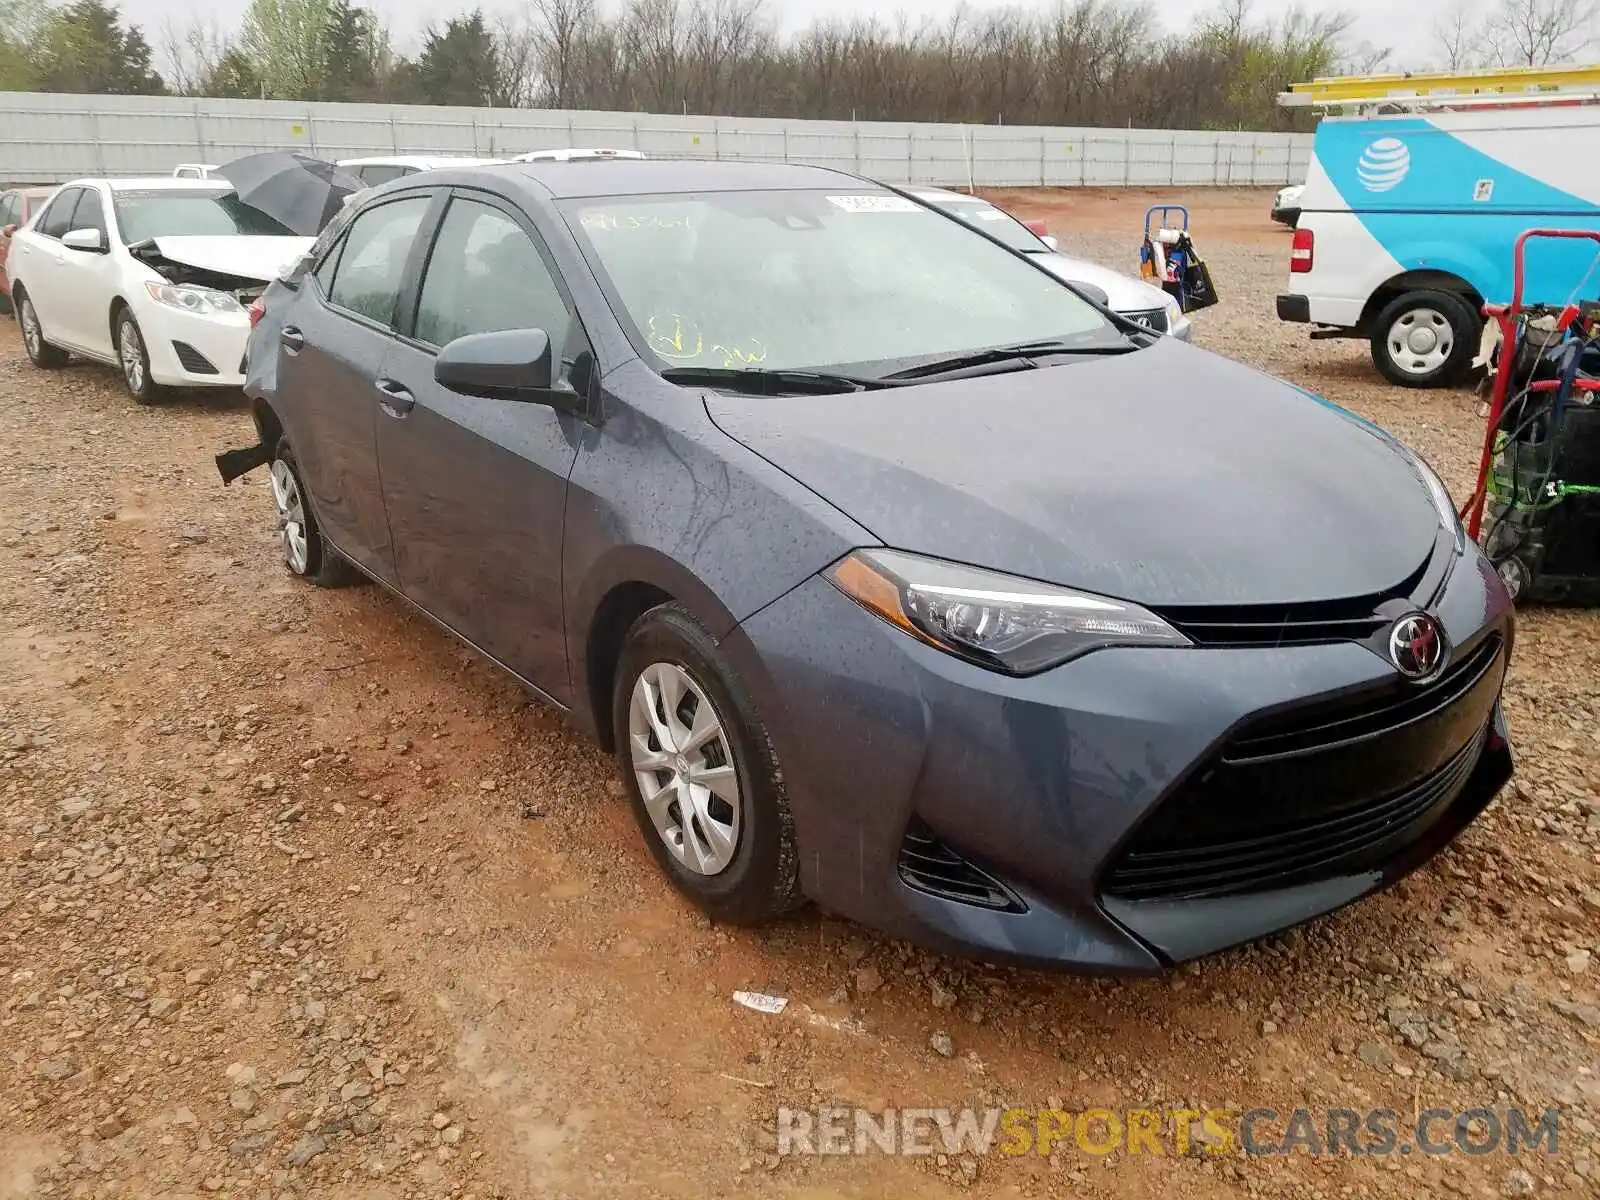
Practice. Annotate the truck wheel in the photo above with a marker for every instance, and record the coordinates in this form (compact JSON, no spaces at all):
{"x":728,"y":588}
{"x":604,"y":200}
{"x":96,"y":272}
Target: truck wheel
{"x":1426,"y":339}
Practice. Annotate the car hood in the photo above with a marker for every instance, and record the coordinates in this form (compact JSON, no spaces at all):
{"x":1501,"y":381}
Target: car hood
{"x":1125,"y":293}
{"x":247,"y":256}
{"x":1168,"y":476}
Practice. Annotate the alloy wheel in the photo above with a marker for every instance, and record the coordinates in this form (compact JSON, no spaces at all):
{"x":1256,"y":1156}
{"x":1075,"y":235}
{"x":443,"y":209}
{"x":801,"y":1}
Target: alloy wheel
{"x":685,"y":769}
{"x":30,"y":327}
{"x":291,"y":516}
{"x":131,"y":350}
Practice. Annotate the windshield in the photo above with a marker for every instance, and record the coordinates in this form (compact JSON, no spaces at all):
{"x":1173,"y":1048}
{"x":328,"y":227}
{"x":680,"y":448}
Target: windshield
{"x":808,"y":280}
{"x":175,"y":213}
{"x":995,"y":222}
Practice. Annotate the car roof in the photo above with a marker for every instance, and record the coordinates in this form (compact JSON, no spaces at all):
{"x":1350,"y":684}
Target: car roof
{"x":945,"y":196}
{"x":591,"y":177}
{"x":424,"y":161}
{"x":153,"y":183}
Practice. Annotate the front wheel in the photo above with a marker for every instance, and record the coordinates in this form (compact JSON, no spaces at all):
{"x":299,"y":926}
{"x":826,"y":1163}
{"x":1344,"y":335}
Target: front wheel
{"x":700,"y":771}
{"x":135,"y":360}
{"x":1426,"y":339}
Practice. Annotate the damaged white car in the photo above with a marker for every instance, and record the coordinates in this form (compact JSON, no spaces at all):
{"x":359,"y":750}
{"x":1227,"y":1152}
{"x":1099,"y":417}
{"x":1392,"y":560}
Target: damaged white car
{"x":153,"y":276}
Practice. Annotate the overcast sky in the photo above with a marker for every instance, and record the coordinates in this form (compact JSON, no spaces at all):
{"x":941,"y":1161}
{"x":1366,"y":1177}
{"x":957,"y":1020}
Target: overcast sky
{"x":1375,"y":19}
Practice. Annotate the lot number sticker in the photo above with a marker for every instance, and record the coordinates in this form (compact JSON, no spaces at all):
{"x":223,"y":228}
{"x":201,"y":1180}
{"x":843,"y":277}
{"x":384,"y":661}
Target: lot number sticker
{"x":873,"y":204}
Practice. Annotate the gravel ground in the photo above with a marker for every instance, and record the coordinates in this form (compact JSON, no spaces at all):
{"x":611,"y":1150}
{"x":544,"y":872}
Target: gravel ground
{"x":297,"y":899}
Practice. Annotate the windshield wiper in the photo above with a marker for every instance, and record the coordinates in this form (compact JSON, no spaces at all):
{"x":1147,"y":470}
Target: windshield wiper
{"x":1023,"y":354}
{"x":760,"y":381}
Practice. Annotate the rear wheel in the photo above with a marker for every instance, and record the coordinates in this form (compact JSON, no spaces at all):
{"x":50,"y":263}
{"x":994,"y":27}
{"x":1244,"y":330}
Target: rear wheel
{"x":1426,"y":339}
{"x":305,"y":552}
{"x":40,"y":352}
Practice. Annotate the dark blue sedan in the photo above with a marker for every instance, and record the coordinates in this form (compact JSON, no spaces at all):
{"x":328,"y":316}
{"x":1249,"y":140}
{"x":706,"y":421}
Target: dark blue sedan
{"x":896,"y":573}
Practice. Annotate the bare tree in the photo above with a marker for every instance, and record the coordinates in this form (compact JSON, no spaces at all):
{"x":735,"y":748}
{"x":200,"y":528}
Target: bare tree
{"x":1536,"y":33}
{"x":1456,"y":36}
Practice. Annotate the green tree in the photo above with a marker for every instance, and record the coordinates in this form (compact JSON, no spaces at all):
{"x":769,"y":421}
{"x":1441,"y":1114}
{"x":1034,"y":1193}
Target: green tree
{"x":459,"y":64}
{"x":286,"y":41}
{"x":234,"y":76}
{"x":84,"y":47}
{"x":356,"y":53}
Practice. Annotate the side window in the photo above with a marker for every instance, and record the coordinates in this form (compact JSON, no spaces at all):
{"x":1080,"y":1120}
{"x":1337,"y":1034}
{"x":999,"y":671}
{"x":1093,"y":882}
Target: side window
{"x":90,"y":213}
{"x":486,"y":274}
{"x":56,"y":220}
{"x":10,"y":209}
{"x":374,"y":175}
{"x":367,"y":277}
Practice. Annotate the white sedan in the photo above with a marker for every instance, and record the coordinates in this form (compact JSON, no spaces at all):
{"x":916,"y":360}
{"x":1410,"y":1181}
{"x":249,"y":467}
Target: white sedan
{"x":154,"y":276}
{"x":1132,"y":298}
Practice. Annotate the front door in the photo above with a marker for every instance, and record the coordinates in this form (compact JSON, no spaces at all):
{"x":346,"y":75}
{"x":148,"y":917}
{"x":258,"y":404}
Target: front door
{"x":475,"y":488}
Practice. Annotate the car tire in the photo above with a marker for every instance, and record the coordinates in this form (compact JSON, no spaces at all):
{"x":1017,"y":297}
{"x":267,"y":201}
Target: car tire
{"x":306,"y":553}
{"x":40,"y":352}
{"x":134,"y":358}
{"x":1426,"y":339}
{"x":735,"y":855}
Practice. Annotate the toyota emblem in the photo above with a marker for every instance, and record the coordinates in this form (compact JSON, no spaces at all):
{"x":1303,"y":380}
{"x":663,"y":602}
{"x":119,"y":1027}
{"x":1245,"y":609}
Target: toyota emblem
{"x":1416,"y":645}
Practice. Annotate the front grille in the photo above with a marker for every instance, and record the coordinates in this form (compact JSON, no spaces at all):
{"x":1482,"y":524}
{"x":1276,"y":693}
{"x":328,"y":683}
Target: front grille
{"x":1319,"y":622}
{"x":193,"y":361}
{"x":1321,"y":791}
{"x":928,"y":865}
{"x":1154,"y":319}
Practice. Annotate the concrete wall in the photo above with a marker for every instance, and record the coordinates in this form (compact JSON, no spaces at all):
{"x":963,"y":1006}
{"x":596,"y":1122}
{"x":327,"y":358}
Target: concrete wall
{"x":49,"y":138}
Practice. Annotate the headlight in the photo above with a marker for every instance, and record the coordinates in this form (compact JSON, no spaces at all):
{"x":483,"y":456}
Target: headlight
{"x":1174,"y":311}
{"x":997,"y":621}
{"x":193,"y":299}
{"x":1442,"y":503}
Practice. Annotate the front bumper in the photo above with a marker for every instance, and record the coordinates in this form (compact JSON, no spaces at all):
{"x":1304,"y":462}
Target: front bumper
{"x":1041,"y":786}
{"x":193,"y":349}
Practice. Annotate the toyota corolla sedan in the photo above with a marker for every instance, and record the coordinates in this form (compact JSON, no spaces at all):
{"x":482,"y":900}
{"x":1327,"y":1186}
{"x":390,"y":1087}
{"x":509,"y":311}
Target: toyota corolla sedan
{"x":894,"y":573}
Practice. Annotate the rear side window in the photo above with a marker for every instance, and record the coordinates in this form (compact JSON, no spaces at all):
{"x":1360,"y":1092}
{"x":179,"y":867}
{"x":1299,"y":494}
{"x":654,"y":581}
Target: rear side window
{"x":57,"y":219}
{"x":10,"y":209}
{"x":374,"y":175}
{"x":372,"y":263}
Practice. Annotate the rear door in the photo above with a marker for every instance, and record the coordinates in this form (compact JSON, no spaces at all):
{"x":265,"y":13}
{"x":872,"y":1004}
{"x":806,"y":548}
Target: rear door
{"x":336,"y":335}
{"x":475,"y":488}
{"x":42,"y":263}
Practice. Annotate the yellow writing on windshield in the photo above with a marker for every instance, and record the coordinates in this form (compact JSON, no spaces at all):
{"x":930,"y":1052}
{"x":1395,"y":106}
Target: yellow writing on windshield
{"x":678,"y":339}
{"x":610,"y":221}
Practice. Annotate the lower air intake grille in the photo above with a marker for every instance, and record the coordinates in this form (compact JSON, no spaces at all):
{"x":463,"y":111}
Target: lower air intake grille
{"x":928,"y":865}
{"x":1317,"y":792}
{"x":193,"y":361}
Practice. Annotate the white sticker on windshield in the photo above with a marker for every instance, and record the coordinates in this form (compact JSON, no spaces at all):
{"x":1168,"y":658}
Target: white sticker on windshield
{"x":874,"y":204}
{"x":991,"y":214}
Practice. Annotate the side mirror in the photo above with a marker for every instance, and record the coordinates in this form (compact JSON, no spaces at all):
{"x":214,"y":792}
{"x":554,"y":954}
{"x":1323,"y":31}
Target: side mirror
{"x":91,"y":240}
{"x":1050,"y":242}
{"x":511,"y":364}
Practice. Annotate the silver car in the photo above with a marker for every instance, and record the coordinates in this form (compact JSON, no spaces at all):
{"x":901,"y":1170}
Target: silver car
{"x":1133,"y":298}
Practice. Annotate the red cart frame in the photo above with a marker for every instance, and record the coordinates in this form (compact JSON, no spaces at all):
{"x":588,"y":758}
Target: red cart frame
{"x":1507,"y":316}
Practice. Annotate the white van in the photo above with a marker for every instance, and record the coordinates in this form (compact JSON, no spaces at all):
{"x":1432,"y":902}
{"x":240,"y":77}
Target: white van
{"x":382,"y":168}
{"x":1407,"y":225}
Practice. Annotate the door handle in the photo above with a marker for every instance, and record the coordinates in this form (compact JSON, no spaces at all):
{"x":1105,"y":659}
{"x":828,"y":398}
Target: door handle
{"x":291,"y":339}
{"x":396,"y":401}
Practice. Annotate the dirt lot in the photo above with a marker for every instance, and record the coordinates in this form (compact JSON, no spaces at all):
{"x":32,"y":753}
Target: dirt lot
{"x":297,"y":899}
